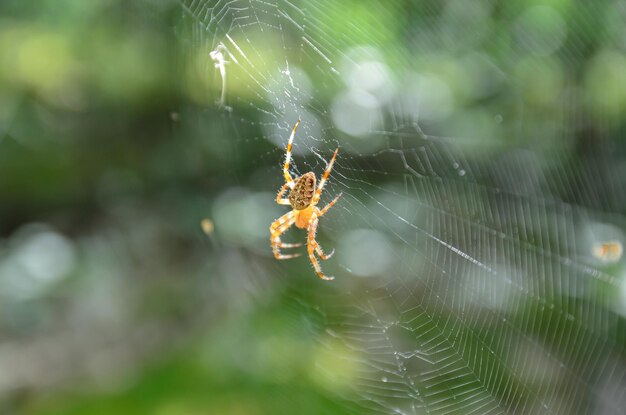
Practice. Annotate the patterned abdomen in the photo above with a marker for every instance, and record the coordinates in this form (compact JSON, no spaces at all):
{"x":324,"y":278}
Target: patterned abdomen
{"x":302,"y":193}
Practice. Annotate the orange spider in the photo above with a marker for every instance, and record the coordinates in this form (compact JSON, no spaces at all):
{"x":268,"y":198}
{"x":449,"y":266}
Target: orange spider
{"x":303,"y":198}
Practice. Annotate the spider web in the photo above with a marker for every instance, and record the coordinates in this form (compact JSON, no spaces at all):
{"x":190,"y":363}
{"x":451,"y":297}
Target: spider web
{"x":466,"y":280}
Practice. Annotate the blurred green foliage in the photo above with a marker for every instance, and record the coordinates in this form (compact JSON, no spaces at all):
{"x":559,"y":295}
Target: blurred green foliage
{"x":155,"y":317}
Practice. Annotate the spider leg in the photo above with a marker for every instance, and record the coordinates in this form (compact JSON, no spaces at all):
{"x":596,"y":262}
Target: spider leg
{"x":313,"y":246}
{"x":328,"y":206}
{"x":288,"y":178}
{"x":279,"y":197}
{"x":278,"y":227}
{"x":284,"y":245}
{"x":318,"y":248}
{"x":321,"y":253}
{"x":318,"y":192}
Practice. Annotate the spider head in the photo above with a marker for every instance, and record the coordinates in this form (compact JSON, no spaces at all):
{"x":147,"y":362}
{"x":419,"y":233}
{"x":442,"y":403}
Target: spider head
{"x":301,"y":195}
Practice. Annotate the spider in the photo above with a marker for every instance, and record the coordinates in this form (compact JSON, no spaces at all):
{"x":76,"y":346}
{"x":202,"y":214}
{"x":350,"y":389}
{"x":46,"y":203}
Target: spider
{"x":303,"y":198}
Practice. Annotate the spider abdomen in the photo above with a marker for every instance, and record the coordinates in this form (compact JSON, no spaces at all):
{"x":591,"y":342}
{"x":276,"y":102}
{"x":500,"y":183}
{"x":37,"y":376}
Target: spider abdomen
{"x":303,"y":190}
